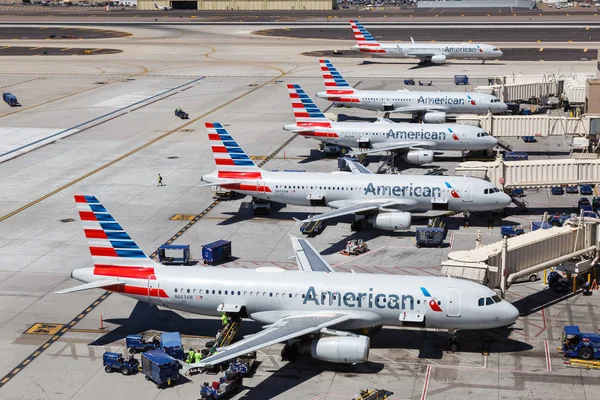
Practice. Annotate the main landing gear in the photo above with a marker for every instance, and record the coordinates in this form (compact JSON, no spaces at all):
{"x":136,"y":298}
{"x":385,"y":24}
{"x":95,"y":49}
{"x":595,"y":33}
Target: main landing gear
{"x":453,"y":340}
{"x":290,"y":352}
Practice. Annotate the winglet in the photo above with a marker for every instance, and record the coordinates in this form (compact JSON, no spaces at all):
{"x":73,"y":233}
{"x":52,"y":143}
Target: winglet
{"x":307,"y":257}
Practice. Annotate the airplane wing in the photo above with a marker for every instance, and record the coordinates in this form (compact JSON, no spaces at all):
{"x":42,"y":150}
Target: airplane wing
{"x":91,"y":285}
{"x":417,"y":109}
{"x":358,"y":168}
{"x":396,"y":146}
{"x":307,"y":258}
{"x":358,"y":208}
{"x":282,"y":330}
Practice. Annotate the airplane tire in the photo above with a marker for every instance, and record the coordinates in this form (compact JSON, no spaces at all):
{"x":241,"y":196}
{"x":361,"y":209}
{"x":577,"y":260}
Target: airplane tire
{"x":454,"y":347}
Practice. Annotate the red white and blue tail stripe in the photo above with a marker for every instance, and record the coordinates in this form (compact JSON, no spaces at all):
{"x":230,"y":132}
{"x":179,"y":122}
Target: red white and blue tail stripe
{"x":366,"y":42}
{"x":334,"y":81}
{"x":232,"y":162}
{"x":305,"y":110}
{"x":109,"y":244}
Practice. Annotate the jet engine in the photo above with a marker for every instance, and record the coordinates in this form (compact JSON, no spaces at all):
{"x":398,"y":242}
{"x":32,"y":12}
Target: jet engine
{"x":434,"y":117}
{"x":438,"y":59}
{"x":418,"y":157}
{"x":346,"y":350}
{"x":391,"y":221}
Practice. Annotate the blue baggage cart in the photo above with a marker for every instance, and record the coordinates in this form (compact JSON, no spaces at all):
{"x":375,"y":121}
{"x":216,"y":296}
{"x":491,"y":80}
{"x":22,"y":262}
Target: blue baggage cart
{"x":168,"y":254}
{"x":430,"y":237}
{"x":10,"y":99}
{"x":216,"y":252}
{"x":535,"y":225}
{"x":170,"y":343}
{"x":515,"y":156}
{"x":461,"y":80}
{"x":160,"y":368}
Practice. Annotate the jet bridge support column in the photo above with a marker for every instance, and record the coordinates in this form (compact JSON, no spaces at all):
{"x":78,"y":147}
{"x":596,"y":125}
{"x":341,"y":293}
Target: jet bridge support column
{"x":503,"y":271}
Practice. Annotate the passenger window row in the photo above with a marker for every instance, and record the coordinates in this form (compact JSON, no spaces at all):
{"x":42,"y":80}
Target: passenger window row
{"x":238,"y":293}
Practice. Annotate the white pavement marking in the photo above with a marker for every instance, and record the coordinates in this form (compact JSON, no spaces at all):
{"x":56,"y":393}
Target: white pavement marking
{"x":126,"y":99}
{"x":426,"y":384}
{"x":548,"y":361}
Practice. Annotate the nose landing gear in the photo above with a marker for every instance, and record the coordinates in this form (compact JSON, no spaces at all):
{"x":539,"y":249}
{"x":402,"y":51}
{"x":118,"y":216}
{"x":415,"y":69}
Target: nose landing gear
{"x":453,"y":340}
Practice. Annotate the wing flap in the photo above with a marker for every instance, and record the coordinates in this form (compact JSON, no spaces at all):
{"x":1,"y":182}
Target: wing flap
{"x":284,"y":329}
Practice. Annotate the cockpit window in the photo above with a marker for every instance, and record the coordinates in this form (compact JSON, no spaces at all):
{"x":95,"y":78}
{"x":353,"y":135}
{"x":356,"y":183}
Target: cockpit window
{"x":497,"y":298}
{"x":486,"y":191}
{"x":495,"y":49}
{"x":481,"y":302}
{"x":489,"y":301}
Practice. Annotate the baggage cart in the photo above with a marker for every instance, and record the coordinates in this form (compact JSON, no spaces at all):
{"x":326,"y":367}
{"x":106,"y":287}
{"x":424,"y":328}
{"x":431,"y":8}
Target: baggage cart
{"x":10,"y":99}
{"x":170,"y":343}
{"x":461,"y":80}
{"x":160,"y":368}
{"x":216,"y":252}
{"x":430,"y":237}
{"x":171,"y":254}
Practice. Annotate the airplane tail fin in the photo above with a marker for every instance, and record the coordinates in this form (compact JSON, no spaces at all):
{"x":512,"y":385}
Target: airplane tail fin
{"x":305,"y":110}
{"x":232,"y":162}
{"x":365,"y":41}
{"x":114,"y":252}
{"x":334,"y":81}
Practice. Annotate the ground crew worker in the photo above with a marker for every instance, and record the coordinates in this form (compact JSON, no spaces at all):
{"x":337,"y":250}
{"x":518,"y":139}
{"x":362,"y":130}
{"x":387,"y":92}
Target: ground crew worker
{"x":225,"y":319}
{"x":159,"y":183}
{"x":191,"y":354}
{"x":197,"y":357}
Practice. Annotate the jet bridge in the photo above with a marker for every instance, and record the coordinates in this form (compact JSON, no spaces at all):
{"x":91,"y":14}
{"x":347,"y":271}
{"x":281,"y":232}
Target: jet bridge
{"x":499,"y":264}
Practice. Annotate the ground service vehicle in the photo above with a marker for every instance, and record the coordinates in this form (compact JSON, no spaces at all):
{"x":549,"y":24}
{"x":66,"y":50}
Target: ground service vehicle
{"x":461,"y":80}
{"x":572,"y":190}
{"x":375,"y":394}
{"x":116,"y":362}
{"x":576,"y":344}
{"x":10,"y":99}
{"x":557,"y":191}
{"x":160,"y":368}
{"x":511,"y":230}
{"x":558,"y":283}
{"x":515,"y":156}
{"x":181,"y":114}
{"x":409,"y":81}
{"x":137,"y":343}
{"x":586,"y":190}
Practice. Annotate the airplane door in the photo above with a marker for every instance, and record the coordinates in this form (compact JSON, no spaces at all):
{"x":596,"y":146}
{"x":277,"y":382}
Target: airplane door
{"x":467,"y":192}
{"x":260,"y":186}
{"x":153,"y":289}
{"x":464,"y":137}
{"x":453,"y":303}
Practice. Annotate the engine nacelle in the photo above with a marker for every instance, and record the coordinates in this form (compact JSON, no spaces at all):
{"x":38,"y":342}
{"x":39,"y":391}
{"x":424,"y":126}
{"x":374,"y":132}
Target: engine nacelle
{"x":346,"y":350}
{"x":438,"y":59}
{"x":418,"y":157}
{"x":434,"y":117}
{"x":391,"y":221}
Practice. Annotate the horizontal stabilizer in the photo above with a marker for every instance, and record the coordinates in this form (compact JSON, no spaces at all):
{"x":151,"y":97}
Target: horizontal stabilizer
{"x":91,"y":285}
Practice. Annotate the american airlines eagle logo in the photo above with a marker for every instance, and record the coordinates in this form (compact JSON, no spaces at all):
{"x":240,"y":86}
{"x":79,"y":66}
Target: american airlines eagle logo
{"x":473,"y":102}
{"x":454,"y":135}
{"x":453,"y":191}
{"x":432,"y":303}
{"x":480,"y":49}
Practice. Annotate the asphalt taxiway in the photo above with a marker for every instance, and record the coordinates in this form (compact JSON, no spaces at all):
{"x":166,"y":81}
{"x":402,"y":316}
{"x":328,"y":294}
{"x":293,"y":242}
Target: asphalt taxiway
{"x":119,"y":132}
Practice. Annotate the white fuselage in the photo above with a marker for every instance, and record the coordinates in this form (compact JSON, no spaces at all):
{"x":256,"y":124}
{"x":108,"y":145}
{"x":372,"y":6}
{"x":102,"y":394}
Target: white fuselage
{"x":438,"y":136}
{"x":272,"y":293}
{"x":342,"y":189}
{"x":389,"y":100}
{"x":425,"y":51}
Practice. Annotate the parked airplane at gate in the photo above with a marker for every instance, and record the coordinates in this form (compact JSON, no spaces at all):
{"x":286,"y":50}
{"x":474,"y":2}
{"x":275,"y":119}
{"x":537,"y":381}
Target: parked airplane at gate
{"x":307,"y":309}
{"x":435,"y":53}
{"x":381,"y":201}
{"x":431,"y":106}
{"x":415,"y":141}
{"x":163,"y":8}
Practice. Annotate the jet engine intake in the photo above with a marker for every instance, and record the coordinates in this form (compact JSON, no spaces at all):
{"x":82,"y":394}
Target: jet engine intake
{"x":346,"y":350}
{"x":434,"y":117}
{"x":438,"y":59}
{"x":418,"y":157}
{"x":390,"y":221}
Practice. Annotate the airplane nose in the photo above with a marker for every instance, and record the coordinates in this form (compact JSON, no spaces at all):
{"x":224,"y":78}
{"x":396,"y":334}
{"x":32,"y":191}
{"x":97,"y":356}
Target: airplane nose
{"x":511,"y":314}
{"x":500,"y":53}
{"x":504,"y":200}
{"x":492,"y":141}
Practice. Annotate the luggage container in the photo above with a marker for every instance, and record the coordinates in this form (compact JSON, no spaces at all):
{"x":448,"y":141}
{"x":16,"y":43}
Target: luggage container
{"x":430,"y":237}
{"x":216,"y":252}
{"x":10,"y":99}
{"x":515,"y":156}
{"x":461,"y":80}
{"x":535,"y":225}
{"x":160,"y":368}
{"x":170,"y":343}
{"x":171,"y":254}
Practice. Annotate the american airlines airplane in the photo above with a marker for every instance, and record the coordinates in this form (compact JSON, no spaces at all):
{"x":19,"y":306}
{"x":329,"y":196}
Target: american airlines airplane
{"x":311,"y":310}
{"x":381,"y":201}
{"x":414,"y":141}
{"x":431,"y":106}
{"x":435,"y":53}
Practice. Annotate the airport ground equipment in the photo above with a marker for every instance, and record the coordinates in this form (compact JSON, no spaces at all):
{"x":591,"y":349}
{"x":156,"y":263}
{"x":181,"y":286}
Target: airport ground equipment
{"x":224,"y":387}
{"x":430,"y":237}
{"x":221,"y":192}
{"x":170,"y":343}
{"x":10,"y":99}
{"x":160,"y":368}
{"x":116,"y":362}
{"x":425,"y":83}
{"x":517,"y":192}
{"x":535,"y":225}
{"x":581,"y":345}
{"x":355,"y":247}
{"x":409,"y":81}
{"x":557,"y":191}
{"x":515,"y":156}
{"x":313,"y":227}
{"x":558,"y":283}
{"x":182,"y":254}
{"x":583,"y":201}
{"x":588,"y":211}
{"x":138,"y":344}
{"x":596,"y":203}
{"x":461,"y":80}
{"x":373,"y":394}
{"x":181,"y":114}
{"x":261,"y":206}
{"x":572,"y":190}
{"x":216,"y":252}
{"x":511,"y":230}
{"x":224,"y":337}
{"x":586,"y":190}
{"x":558,"y":219}
{"x":529,"y":139}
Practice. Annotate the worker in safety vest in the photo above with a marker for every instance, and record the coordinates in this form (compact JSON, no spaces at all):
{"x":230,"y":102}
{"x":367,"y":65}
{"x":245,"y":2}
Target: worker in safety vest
{"x":225,"y":319}
{"x":197,"y":357}
{"x":191,"y":354}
